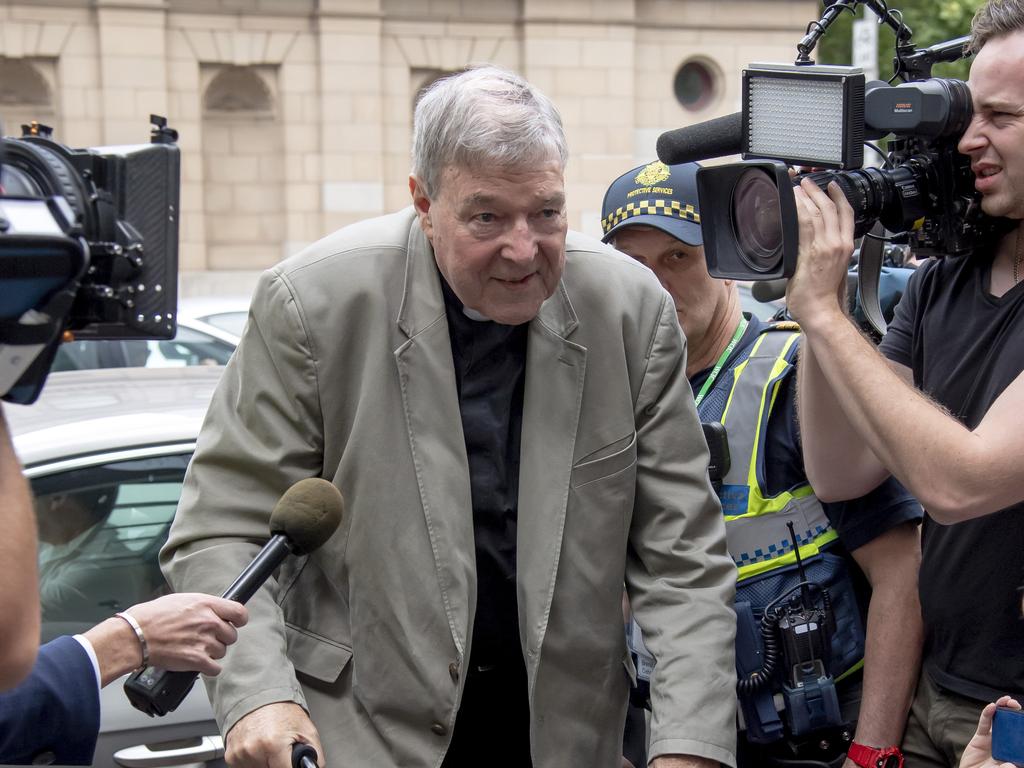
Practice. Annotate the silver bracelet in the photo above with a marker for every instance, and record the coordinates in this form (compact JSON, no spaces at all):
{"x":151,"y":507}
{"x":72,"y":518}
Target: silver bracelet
{"x":138,"y":633}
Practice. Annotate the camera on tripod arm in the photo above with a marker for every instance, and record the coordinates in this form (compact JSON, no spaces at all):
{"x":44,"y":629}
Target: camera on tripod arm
{"x":88,"y":248}
{"x":820,"y":117}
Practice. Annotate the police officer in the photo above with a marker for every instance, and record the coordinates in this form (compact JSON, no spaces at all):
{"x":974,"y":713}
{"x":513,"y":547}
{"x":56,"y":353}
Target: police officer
{"x":742,"y":372}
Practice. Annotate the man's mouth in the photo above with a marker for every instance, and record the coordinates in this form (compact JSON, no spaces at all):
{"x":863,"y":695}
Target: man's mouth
{"x":984,"y":170}
{"x":515,"y":280}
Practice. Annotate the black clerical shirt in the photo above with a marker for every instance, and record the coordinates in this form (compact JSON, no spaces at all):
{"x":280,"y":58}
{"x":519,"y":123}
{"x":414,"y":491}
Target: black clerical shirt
{"x":490,"y":364}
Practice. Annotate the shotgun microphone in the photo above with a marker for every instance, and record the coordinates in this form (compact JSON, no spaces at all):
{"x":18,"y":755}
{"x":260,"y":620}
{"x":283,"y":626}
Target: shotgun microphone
{"x":712,"y":138}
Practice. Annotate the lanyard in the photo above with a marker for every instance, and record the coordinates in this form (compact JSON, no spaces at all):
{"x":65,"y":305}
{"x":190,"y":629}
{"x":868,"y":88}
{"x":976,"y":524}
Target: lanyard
{"x":721,"y":361}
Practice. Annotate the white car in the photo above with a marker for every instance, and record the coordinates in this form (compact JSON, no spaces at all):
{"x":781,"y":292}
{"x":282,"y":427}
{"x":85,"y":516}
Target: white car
{"x":218,"y":315}
{"x":121,"y":438}
{"x":209,"y":329}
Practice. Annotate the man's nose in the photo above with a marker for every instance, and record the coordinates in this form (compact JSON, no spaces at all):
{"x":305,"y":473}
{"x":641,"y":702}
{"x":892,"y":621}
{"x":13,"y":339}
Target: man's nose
{"x":973,"y":138}
{"x":520,"y":243}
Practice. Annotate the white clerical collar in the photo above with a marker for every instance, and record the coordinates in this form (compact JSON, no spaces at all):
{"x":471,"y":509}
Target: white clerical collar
{"x":472,"y":314}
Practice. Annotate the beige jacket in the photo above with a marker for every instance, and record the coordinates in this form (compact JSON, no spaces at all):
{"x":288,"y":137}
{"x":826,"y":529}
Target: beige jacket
{"x":345,"y":372}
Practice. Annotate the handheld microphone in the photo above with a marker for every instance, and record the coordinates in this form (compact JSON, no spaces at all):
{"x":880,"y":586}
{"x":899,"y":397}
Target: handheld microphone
{"x":712,"y":138}
{"x":303,"y":519}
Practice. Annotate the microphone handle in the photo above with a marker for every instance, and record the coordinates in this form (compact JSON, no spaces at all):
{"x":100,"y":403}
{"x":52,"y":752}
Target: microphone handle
{"x":157,"y":691}
{"x":304,"y":756}
{"x":258,"y":571}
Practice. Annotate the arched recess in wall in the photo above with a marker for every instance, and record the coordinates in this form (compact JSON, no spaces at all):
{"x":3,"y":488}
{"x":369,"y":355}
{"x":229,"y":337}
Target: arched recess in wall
{"x":25,"y":95}
{"x":243,"y":167}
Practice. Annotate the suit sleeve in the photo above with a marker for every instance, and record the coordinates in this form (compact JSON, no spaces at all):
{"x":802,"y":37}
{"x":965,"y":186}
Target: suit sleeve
{"x":679,"y":575}
{"x":54,"y":715}
{"x":263,"y":432}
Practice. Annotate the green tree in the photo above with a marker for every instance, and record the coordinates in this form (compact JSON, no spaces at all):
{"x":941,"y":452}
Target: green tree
{"x":933,"y":21}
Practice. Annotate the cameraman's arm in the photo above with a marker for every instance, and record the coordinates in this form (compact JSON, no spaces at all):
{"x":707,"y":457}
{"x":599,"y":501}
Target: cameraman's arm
{"x":955,"y":473}
{"x":839,"y":463}
{"x":19,"y":595}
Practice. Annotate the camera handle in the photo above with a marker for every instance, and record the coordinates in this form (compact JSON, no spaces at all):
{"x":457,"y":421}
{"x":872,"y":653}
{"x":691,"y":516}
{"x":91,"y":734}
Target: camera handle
{"x":916,"y":63}
{"x":869,"y":273}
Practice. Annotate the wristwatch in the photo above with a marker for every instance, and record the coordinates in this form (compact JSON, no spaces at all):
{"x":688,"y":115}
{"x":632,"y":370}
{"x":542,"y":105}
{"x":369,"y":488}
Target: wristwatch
{"x":875,"y":757}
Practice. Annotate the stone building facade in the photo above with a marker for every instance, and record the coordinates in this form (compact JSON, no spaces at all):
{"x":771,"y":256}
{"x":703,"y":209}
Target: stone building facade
{"x":295,"y":115}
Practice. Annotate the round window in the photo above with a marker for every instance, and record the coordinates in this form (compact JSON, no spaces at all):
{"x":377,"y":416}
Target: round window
{"x":694,"y":85}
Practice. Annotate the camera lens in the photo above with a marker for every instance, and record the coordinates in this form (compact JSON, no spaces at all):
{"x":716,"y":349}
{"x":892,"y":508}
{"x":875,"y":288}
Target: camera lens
{"x":757,"y":220}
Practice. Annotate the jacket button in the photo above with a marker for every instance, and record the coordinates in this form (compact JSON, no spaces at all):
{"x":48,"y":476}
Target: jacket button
{"x":453,"y":670}
{"x":439,"y":729}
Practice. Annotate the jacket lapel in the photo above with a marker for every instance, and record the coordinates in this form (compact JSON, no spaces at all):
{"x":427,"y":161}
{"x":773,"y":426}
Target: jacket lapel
{"x":430,"y":401}
{"x":555,"y":369}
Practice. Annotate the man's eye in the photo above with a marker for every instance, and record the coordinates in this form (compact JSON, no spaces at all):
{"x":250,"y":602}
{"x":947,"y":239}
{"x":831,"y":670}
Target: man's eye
{"x":550,"y":213}
{"x":676,"y":256}
{"x":485,"y":218}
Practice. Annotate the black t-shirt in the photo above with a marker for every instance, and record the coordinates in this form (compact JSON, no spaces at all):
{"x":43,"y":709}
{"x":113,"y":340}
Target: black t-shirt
{"x":964,"y":347}
{"x":857,"y":521}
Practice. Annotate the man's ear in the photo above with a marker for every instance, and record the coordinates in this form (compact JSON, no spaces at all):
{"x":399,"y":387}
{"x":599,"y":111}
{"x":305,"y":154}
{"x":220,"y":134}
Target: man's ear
{"x":421,"y":202}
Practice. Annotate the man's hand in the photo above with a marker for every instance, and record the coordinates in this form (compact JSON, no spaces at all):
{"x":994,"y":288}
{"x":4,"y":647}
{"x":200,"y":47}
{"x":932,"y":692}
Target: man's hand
{"x":978,"y":753}
{"x":264,"y":737}
{"x":683,"y":761}
{"x":823,"y":259}
{"x":188,"y":631}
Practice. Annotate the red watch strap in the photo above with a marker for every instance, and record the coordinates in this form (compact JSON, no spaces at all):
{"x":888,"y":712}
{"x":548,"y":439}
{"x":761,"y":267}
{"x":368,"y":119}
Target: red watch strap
{"x":875,"y":757}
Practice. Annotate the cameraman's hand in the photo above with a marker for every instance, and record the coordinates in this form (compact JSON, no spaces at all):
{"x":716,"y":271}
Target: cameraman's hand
{"x":265,"y":736}
{"x":978,"y":753}
{"x":826,"y":244}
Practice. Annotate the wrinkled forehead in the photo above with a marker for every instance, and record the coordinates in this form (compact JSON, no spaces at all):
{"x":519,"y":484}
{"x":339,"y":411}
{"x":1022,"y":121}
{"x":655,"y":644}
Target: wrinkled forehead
{"x":536,"y":181}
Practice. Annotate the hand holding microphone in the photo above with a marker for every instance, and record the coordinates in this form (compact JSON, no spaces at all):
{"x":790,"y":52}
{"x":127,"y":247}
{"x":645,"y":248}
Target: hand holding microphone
{"x":305,"y":517}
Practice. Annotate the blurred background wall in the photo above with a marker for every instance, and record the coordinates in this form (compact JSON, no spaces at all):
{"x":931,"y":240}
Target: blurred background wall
{"x":295,"y":116}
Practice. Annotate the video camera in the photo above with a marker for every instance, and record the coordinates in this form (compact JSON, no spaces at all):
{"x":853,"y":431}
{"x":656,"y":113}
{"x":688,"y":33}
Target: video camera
{"x":88,"y":248}
{"x":820,"y":117}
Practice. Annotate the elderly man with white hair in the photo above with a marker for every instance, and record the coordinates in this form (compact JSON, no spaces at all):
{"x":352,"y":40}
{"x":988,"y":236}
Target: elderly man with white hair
{"x":500,"y":403}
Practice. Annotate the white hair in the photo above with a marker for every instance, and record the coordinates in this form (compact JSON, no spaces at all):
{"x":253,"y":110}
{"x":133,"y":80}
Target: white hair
{"x":483,"y":117}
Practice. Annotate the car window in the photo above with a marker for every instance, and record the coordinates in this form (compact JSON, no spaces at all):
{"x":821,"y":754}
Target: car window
{"x":188,"y":347}
{"x":232,"y":322}
{"x":100,"y":531}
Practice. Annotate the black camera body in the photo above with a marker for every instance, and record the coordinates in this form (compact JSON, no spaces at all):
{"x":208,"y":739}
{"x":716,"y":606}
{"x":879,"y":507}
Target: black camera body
{"x":88,"y":248}
{"x":819,"y":117}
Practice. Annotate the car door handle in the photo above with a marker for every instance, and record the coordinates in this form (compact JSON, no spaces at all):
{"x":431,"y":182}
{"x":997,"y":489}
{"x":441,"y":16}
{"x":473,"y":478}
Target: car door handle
{"x":145,"y":756}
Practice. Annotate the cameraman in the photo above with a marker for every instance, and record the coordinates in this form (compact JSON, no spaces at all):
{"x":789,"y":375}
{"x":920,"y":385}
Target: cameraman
{"x":939,"y":408}
{"x":19,"y":589}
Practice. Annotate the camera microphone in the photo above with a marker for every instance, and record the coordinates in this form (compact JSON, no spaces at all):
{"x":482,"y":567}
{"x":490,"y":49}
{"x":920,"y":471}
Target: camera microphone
{"x":303,"y":519}
{"x":712,"y":138}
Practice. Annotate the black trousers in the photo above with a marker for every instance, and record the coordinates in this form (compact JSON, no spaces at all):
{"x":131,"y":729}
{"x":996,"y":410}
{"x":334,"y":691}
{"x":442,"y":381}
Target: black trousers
{"x":492,"y":729}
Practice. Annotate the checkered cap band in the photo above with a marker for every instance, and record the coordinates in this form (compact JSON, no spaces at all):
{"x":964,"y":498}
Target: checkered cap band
{"x":671,"y":208}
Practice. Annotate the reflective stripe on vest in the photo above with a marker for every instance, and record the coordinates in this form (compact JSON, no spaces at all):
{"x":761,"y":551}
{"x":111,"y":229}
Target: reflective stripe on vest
{"x":758,"y":538}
